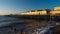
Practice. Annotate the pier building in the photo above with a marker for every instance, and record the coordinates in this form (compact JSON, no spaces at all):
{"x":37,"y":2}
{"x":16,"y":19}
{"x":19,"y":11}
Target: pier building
{"x":55,"y":12}
{"x":35,"y":12}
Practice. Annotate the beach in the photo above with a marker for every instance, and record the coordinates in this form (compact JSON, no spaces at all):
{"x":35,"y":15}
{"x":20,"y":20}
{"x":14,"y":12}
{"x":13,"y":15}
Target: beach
{"x":13,"y":25}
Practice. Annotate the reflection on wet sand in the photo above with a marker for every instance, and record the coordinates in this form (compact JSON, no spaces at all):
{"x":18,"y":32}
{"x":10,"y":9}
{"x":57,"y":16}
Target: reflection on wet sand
{"x":32,"y":25}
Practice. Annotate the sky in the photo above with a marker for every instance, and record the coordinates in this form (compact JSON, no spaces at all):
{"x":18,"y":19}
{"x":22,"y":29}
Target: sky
{"x":19,"y":6}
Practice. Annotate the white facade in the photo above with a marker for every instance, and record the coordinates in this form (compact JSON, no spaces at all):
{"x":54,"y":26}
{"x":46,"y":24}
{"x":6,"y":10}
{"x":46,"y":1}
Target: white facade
{"x":35,"y":13}
{"x":56,"y":11}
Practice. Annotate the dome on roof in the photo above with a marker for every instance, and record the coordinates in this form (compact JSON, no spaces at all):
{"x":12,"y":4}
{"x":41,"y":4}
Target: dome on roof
{"x":57,"y":8}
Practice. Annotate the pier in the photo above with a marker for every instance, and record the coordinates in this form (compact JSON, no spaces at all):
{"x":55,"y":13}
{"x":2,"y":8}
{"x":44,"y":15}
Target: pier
{"x":43,"y":18}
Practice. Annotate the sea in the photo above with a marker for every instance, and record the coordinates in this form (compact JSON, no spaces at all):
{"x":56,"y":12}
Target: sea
{"x":14,"y":25}
{"x":8,"y":24}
